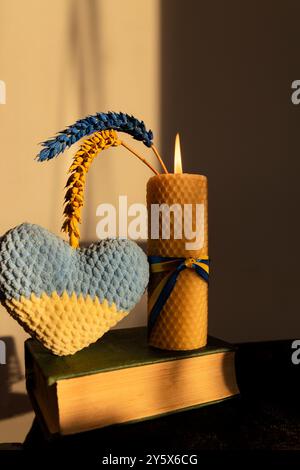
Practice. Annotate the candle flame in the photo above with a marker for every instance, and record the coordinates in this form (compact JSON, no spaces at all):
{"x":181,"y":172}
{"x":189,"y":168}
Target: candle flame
{"x":177,"y":156}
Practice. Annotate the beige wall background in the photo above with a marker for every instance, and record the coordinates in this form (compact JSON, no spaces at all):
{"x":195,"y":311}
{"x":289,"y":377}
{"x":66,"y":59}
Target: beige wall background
{"x":62,"y":60}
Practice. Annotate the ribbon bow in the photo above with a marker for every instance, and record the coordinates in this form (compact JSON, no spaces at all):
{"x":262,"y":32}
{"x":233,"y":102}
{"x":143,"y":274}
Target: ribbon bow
{"x":172,"y":267}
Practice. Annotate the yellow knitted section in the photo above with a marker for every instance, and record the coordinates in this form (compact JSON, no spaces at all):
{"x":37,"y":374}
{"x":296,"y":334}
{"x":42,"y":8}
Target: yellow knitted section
{"x":65,"y":324}
{"x":74,"y":197}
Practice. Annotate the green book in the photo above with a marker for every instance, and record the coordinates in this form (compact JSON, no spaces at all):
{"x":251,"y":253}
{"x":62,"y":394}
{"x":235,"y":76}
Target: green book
{"x":120,"y":378}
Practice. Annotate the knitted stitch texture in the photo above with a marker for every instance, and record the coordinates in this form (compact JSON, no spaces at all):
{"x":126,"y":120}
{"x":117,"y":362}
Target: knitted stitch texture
{"x":68,"y":298}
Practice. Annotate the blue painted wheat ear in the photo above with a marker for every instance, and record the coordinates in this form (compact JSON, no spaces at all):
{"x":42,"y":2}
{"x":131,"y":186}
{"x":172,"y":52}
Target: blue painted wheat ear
{"x":98,"y":122}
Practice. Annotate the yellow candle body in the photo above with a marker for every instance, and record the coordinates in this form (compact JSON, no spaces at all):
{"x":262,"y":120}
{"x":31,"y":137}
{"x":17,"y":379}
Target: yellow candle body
{"x":182,"y":323}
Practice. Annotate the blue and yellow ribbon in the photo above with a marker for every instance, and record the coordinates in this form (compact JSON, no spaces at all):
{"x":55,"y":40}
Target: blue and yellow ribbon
{"x":172,"y":267}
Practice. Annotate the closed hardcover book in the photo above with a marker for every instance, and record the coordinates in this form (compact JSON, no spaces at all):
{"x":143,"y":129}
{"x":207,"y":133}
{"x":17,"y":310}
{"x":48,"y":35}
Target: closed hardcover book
{"x":120,"y":379}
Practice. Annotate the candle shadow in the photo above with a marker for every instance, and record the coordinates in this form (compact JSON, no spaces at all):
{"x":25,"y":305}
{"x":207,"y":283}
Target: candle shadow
{"x":222,"y":82}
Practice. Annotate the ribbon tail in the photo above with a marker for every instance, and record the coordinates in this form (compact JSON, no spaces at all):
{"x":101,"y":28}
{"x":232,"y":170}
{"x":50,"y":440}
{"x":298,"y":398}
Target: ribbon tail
{"x":157,"y":291}
{"x":202,"y":272}
{"x":162,"y":298}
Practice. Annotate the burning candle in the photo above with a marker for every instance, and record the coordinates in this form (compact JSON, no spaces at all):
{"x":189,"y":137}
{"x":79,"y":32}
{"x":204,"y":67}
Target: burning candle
{"x":178,"y":254}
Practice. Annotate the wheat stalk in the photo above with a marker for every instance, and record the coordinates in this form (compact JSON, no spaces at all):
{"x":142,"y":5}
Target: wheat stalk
{"x":99,"y":122}
{"x":159,"y":158}
{"x":74,"y":197}
{"x":142,"y":159}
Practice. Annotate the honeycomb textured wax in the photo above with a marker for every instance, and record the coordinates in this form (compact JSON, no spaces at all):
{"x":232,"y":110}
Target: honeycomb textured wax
{"x":182,"y":323}
{"x":68,"y":298}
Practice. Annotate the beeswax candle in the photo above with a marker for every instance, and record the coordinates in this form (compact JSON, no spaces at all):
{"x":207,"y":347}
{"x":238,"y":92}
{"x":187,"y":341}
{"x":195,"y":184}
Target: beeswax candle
{"x":182,"y":322}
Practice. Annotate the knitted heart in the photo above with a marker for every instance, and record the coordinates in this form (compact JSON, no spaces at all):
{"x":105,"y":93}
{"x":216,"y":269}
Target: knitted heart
{"x":68,"y":298}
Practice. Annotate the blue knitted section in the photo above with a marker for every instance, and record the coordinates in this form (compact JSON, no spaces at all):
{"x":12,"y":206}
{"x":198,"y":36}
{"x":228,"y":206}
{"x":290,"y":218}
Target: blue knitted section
{"x":33,"y":260}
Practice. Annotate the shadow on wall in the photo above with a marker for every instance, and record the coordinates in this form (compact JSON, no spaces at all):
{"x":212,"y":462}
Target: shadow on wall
{"x":11,"y":403}
{"x":227,"y":69}
{"x":85,"y":48}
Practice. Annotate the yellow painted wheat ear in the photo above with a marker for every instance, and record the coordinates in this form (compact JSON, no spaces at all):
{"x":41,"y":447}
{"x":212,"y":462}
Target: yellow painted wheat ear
{"x":74,"y":197}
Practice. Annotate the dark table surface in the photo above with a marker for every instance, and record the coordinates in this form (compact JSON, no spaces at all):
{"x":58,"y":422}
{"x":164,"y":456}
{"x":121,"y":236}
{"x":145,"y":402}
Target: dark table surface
{"x":262,"y":423}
